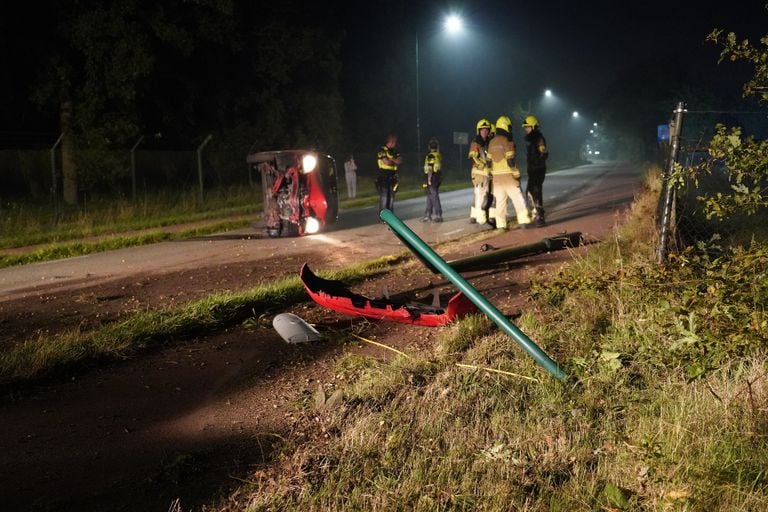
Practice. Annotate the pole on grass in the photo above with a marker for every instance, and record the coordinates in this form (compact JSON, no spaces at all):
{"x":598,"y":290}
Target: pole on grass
{"x":417,"y":245}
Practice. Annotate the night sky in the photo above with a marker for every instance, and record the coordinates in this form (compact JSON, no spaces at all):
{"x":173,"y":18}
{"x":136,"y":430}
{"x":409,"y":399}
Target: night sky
{"x":509,"y":52}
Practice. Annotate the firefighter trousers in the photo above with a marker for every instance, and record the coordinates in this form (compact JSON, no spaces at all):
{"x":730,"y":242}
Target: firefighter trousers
{"x":506,"y":186}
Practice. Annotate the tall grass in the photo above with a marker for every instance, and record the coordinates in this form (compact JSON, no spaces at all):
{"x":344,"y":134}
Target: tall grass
{"x":668,"y":409}
{"x":23,"y":224}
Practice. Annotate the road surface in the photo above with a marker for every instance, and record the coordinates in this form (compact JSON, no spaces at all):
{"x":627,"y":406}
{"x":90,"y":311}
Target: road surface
{"x":357,"y":234}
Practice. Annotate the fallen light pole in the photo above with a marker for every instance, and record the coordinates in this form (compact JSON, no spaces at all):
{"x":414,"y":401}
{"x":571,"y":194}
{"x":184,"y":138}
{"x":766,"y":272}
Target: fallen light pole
{"x":426,"y":253}
{"x":483,"y":261}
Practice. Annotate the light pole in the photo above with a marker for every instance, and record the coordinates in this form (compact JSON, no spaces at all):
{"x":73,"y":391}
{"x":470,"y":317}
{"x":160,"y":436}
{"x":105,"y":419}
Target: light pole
{"x":453,"y":24}
{"x":418,"y":109}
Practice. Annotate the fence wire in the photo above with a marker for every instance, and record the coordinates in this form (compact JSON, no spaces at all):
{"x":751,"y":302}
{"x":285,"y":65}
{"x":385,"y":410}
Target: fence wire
{"x":682,"y":219}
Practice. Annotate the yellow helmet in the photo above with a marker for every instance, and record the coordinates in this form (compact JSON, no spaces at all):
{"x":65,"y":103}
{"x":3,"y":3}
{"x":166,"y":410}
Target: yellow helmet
{"x":530,"y":121}
{"x":483,"y":123}
{"x":503,"y":123}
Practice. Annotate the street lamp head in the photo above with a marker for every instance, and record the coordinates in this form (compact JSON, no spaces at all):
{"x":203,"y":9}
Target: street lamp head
{"x":453,"y":24}
{"x":575,"y":114}
{"x":548,"y":93}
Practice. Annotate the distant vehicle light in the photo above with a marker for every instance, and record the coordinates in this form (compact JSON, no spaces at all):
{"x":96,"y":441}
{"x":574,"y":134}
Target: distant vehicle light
{"x":312,"y":226}
{"x":597,"y":152}
{"x":308,"y":163}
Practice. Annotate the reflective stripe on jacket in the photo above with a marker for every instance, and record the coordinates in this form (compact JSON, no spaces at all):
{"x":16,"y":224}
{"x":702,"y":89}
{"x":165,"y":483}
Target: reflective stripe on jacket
{"x":387,"y":153}
{"x":502,"y":152}
{"x":477,"y":153}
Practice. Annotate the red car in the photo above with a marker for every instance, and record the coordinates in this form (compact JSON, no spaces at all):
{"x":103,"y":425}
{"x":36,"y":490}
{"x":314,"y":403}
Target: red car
{"x":300,"y":191}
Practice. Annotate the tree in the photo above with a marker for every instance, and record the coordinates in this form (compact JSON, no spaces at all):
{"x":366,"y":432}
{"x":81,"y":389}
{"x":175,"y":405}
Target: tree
{"x":745,"y":158}
{"x":250,"y":73}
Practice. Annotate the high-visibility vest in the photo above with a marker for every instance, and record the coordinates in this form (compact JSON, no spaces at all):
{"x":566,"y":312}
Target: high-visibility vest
{"x":385,"y":153}
{"x":433,"y":161}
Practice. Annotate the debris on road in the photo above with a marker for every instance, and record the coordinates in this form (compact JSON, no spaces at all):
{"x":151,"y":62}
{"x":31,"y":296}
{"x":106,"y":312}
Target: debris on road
{"x":294,"y":329}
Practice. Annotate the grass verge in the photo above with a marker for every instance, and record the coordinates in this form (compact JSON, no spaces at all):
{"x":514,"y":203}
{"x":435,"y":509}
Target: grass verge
{"x":668,"y":411}
{"x":72,"y":249}
{"x":62,"y":246}
{"x":47,"y":355}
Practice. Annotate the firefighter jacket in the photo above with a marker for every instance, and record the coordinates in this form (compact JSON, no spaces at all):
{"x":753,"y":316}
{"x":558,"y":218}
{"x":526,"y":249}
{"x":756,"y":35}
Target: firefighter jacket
{"x":481,"y":164}
{"x":386,"y":158}
{"x":501,"y":150}
{"x":537,"y":153}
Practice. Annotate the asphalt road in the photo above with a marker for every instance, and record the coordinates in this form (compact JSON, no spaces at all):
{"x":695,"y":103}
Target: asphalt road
{"x":356,"y":230}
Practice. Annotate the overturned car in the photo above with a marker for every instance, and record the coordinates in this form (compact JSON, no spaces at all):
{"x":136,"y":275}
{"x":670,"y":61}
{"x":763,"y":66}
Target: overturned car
{"x":300,"y":191}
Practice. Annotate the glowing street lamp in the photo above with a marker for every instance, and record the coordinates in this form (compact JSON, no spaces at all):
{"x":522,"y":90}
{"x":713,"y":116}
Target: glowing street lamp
{"x":453,"y":24}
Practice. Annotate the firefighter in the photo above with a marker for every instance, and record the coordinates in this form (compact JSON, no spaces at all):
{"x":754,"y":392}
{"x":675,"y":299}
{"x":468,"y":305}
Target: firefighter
{"x":506,"y":176}
{"x":432,"y":179}
{"x":537,"y":153}
{"x":388,"y":158}
{"x":479,"y":212}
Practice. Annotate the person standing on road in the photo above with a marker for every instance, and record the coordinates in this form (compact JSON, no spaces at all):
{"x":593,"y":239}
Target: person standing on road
{"x":506,"y":176}
{"x":432,"y":179}
{"x":537,"y":153}
{"x":350,"y":173}
{"x":480,"y":212}
{"x":388,"y":158}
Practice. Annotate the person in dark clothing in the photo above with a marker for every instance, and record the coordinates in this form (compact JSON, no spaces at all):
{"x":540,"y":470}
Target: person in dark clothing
{"x":537,"y":153}
{"x":433,"y":176}
{"x":388,"y":158}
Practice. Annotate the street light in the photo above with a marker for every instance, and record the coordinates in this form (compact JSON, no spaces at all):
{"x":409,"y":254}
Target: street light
{"x":547,"y":94}
{"x":453,"y":24}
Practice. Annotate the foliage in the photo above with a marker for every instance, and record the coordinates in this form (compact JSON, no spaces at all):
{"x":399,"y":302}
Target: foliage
{"x":744,"y":159}
{"x":735,"y":50}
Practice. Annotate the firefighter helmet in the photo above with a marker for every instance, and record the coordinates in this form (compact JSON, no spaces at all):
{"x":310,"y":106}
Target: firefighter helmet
{"x":503,"y":123}
{"x":531,"y":122}
{"x":484,"y":123}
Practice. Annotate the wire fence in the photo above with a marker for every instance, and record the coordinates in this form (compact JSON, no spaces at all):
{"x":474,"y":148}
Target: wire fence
{"x":32,"y":173}
{"x":682,"y":219}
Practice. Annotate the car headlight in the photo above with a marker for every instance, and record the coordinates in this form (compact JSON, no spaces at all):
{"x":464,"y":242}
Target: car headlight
{"x":308,"y":163}
{"x":312,"y":226}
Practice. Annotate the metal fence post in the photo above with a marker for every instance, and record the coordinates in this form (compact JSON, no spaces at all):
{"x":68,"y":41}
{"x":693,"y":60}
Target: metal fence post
{"x":200,"y":164}
{"x":133,"y":167}
{"x":669,"y":193}
{"x":54,"y":178}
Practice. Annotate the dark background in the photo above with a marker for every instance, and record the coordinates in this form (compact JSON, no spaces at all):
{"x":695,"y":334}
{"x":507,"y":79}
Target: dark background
{"x":339,"y":76}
